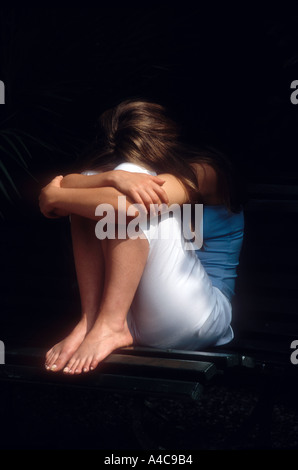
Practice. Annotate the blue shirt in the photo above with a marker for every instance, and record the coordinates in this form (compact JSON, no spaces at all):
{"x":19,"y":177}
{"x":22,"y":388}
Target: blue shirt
{"x":222,"y":242}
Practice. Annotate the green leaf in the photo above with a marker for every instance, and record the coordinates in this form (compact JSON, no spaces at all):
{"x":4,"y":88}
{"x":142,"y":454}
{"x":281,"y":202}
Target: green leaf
{"x":11,"y":143}
{"x":44,"y":144}
{"x":21,"y":142}
{"x":9,"y":178}
{"x":4,"y":191}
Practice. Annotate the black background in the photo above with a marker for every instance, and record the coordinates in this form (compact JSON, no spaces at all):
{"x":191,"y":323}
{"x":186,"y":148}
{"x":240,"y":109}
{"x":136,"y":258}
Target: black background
{"x":223,"y":72}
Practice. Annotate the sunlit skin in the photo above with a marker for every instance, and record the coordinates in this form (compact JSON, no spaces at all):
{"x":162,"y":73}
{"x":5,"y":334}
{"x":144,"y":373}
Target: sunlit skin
{"x":107,"y":273}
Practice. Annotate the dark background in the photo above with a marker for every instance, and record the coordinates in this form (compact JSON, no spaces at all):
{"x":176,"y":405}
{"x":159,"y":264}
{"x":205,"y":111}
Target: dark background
{"x":224,"y":73}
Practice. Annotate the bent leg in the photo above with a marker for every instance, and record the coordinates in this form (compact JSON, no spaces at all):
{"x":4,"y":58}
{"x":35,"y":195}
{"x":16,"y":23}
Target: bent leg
{"x":89,"y":264}
{"x":175,"y":297}
{"x":125,"y":261}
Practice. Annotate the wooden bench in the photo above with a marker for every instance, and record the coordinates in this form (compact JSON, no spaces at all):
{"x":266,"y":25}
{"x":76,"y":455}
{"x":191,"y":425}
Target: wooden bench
{"x":134,"y":370}
{"x":265,"y":319}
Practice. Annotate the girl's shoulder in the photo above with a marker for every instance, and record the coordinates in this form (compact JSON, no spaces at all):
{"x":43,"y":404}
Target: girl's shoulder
{"x":207,"y":179}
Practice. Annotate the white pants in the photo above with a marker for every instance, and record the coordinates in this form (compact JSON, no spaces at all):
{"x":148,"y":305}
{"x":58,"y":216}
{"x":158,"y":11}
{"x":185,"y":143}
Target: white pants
{"x":175,"y":305}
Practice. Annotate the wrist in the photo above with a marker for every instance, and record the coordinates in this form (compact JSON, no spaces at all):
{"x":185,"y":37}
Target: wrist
{"x":67,"y":182}
{"x":48,"y":201}
{"x":112,"y":178}
{"x":53,"y":198}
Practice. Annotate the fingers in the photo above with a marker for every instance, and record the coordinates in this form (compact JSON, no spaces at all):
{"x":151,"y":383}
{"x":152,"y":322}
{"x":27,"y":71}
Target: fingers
{"x":45,"y":205}
{"x":149,"y":194}
{"x":149,"y":198}
{"x":158,"y":180}
{"x":56,"y":181}
{"x":156,"y":183}
{"x":161,"y":193}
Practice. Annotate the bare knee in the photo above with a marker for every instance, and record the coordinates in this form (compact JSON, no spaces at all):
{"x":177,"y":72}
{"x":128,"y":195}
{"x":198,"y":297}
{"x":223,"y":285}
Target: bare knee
{"x":128,"y":245}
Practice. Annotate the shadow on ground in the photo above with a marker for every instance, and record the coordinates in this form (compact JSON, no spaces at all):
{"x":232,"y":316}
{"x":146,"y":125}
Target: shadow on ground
{"x":50,"y":417}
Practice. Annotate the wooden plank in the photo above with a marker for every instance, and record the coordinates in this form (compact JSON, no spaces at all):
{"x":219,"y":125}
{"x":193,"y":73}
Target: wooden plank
{"x":201,"y":370}
{"x":156,"y":362}
{"x":105,"y":382}
{"x":221,"y":360}
{"x":259,"y":345}
{"x":131,"y":364}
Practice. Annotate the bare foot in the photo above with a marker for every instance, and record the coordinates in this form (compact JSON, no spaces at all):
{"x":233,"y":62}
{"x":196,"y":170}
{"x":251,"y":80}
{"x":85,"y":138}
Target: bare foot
{"x":58,"y":355}
{"x":101,"y":341}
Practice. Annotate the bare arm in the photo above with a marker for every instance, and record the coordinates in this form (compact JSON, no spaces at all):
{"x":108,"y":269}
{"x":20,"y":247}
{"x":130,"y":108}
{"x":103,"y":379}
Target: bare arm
{"x":98,"y":180}
{"x":141,"y":188}
{"x":56,"y":200}
{"x":83,"y":201}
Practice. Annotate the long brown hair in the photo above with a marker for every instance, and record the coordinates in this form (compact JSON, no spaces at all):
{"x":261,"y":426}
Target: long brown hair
{"x":141,"y":132}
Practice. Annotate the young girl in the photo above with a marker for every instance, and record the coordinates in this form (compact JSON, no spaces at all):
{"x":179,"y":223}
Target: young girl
{"x":148,"y":290}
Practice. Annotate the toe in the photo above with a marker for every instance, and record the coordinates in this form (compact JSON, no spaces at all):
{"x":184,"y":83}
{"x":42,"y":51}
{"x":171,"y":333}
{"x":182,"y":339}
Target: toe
{"x":49,"y":355}
{"x":49,"y":358}
{"x":78,"y":366}
{"x":86,"y":365}
{"x":61,"y":360}
{"x":94,"y":363}
{"x":68,"y":369}
{"x":51,"y":364}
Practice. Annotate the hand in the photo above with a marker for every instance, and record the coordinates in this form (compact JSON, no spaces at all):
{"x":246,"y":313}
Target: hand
{"x":47,"y":199}
{"x":142,"y":188}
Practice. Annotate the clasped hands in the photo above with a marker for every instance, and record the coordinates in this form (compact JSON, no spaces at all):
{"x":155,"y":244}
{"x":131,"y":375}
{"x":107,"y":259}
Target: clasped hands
{"x":140,"y":188}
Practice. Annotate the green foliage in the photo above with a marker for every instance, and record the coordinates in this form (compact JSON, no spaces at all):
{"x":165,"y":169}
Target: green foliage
{"x":61,"y":67}
{"x":38,"y":122}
